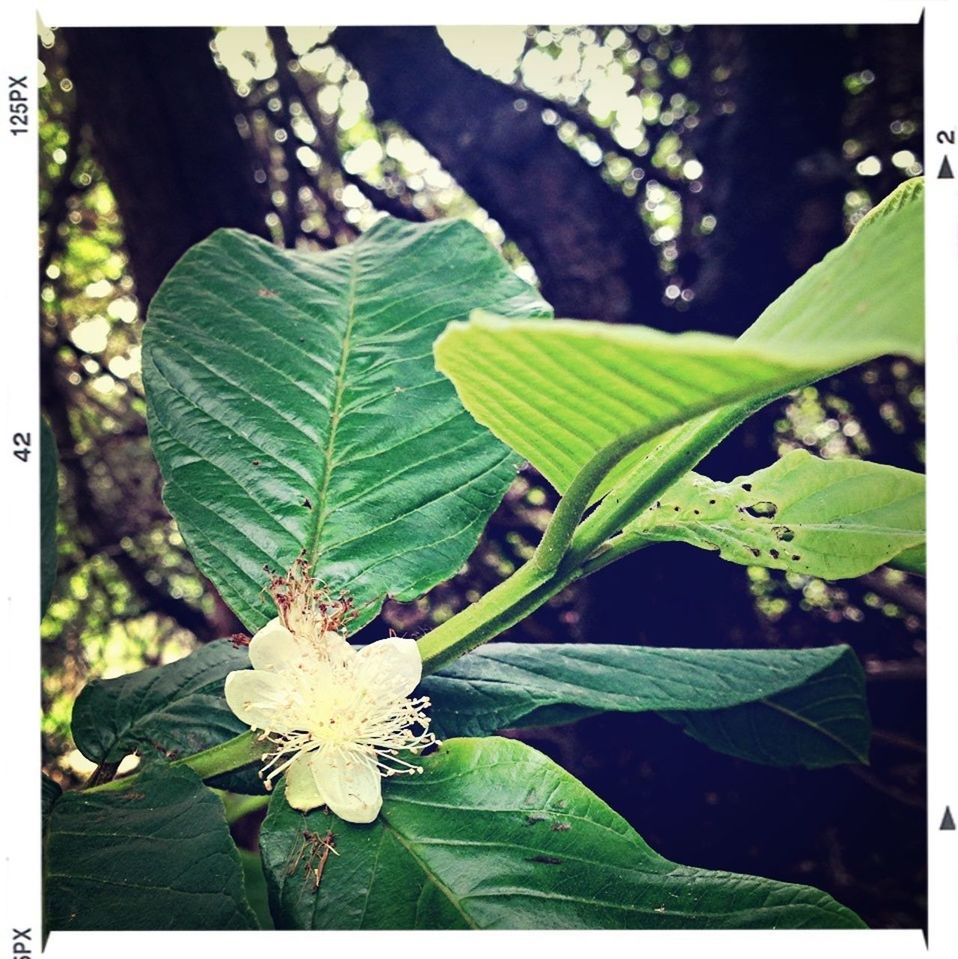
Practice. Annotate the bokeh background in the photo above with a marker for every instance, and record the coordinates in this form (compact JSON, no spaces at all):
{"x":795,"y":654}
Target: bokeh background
{"x":679,"y":177}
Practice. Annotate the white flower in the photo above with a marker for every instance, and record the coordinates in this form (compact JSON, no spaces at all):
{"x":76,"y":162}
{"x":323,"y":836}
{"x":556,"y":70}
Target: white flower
{"x":337,"y":716}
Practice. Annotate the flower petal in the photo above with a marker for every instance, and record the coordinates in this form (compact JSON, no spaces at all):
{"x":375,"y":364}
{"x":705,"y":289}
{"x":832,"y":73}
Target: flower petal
{"x":394,"y":664}
{"x":349,"y":782}
{"x":262,"y":700}
{"x":274,"y":647}
{"x":337,"y":649}
{"x":301,"y":790}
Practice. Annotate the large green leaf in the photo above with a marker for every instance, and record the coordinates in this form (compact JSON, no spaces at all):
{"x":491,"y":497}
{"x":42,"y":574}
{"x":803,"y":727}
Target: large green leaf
{"x":560,"y":392}
{"x":164,"y":712}
{"x":156,"y":855}
{"x":795,"y":706}
{"x":779,"y":707}
{"x":828,"y":518}
{"x":294,"y":407}
{"x":49,"y":499}
{"x":494,"y":835}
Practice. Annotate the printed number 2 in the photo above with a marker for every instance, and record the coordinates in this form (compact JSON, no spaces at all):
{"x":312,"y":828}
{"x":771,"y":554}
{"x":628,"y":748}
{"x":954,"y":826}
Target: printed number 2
{"x":21,"y":442}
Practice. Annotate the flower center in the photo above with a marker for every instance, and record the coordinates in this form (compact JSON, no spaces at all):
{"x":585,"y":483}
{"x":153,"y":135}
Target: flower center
{"x":345,"y":710}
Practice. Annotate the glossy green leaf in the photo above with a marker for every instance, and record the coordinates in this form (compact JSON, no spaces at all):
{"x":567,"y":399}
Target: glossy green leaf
{"x":822,"y":722}
{"x":775,"y":706}
{"x":830,"y":518}
{"x":164,"y":712}
{"x":170,"y":711}
{"x":49,"y":500}
{"x":493,"y":835}
{"x":294,"y":407}
{"x":560,"y":392}
{"x":156,"y":855}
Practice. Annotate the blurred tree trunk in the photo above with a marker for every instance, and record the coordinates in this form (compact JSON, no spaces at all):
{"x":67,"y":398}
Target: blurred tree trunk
{"x":585,"y":240}
{"x":161,"y":115}
{"x":160,"y":119}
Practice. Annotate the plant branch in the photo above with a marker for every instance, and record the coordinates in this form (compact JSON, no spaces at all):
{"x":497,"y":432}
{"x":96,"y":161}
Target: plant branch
{"x":292,"y":89}
{"x":235,"y":753}
{"x":641,"y":489}
{"x":244,"y":749}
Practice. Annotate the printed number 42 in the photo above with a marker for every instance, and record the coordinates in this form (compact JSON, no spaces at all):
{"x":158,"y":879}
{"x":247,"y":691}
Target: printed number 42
{"x":21,"y":443}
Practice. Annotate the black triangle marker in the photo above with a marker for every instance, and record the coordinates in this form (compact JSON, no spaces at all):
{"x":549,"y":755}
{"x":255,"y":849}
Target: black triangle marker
{"x":945,"y":172}
{"x":947,"y":821}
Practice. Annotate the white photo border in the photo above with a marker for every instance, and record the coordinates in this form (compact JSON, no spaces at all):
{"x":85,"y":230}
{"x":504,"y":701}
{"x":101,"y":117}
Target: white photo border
{"x":21,"y":847}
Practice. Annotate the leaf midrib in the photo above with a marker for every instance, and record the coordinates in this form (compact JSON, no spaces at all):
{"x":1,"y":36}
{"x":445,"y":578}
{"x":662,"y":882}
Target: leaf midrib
{"x":811,"y":724}
{"x":429,"y":874}
{"x":730,"y":526}
{"x":335,"y":414}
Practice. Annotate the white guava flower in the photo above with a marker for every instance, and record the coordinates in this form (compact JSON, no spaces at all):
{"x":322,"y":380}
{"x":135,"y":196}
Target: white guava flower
{"x":337,"y":716}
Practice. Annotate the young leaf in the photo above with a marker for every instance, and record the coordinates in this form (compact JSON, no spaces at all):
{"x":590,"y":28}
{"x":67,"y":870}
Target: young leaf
{"x":294,"y":407}
{"x":157,"y":855}
{"x":774,"y":706}
{"x":560,"y":392}
{"x":49,"y":500}
{"x":830,"y":518}
{"x":493,"y":835}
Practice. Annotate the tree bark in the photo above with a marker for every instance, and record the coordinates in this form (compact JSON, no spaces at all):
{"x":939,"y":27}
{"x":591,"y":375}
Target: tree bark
{"x":161,"y":115}
{"x":584,"y":239}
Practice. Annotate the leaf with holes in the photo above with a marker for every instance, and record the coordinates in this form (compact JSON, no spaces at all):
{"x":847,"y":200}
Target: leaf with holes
{"x":776,"y":706}
{"x":493,"y":835}
{"x":155,"y":855}
{"x":558,"y":393}
{"x":830,"y":518}
{"x":294,"y":407}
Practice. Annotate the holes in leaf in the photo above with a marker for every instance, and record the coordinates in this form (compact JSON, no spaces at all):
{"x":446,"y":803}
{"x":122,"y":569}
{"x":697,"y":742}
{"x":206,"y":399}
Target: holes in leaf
{"x":762,"y":510}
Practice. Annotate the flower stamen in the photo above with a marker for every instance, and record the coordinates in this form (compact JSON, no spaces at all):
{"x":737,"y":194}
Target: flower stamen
{"x":337,"y":719}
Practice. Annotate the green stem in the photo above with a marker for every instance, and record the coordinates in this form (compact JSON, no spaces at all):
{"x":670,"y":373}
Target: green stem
{"x":242,"y":806}
{"x":235,"y":753}
{"x":512,"y":602}
{"x":636,"y":494}
{"x":562,"y":527}
{"x":567,"y":552}
{"x":497,"y":610}
{"x":564,"y":532}
{"x":566,"y":546}
{"x":245,"y":749}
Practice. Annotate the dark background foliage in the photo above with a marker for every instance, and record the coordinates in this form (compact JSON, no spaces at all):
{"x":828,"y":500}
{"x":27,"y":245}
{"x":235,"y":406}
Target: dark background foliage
{"x":676,"y":177}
